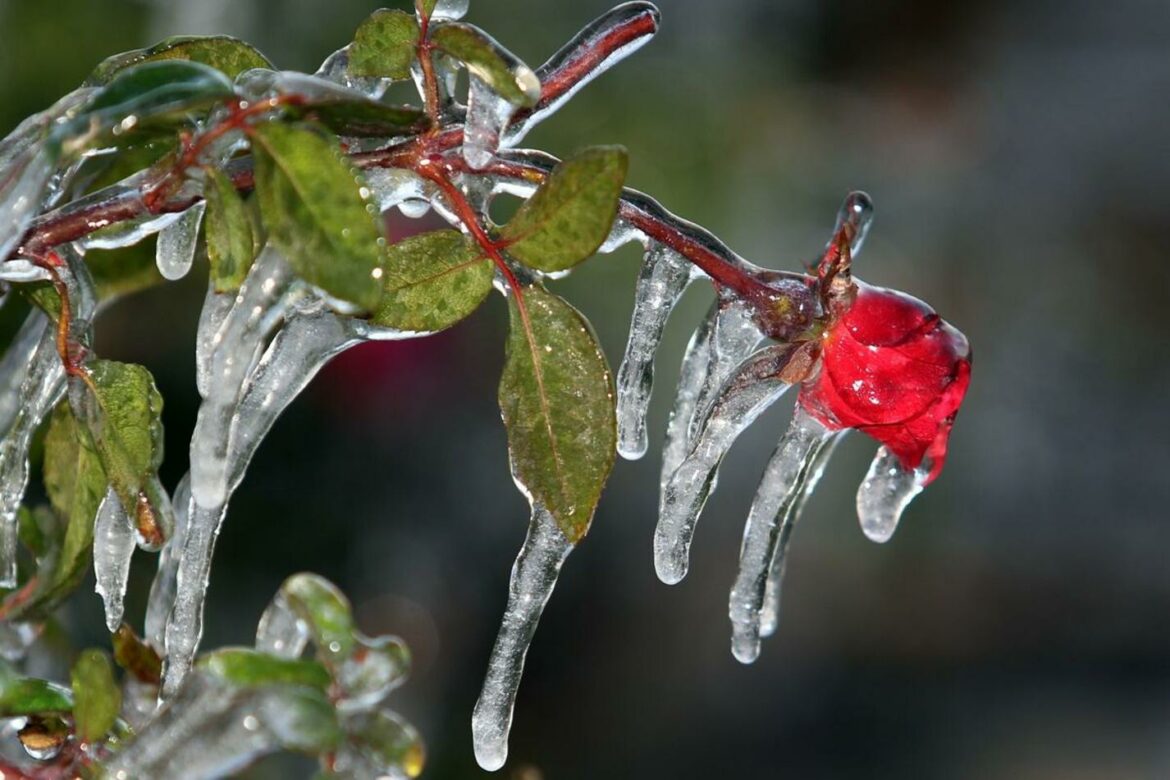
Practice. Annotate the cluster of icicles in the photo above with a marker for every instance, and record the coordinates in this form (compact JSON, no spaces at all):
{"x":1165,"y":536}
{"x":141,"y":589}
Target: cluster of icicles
{"x":257,"y":349}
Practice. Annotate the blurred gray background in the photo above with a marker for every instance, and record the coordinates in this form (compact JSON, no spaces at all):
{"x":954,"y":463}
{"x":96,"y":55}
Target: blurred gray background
{"x":1017,"y":626}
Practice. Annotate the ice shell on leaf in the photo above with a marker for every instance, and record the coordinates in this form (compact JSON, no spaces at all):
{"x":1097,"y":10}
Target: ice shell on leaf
{"x":893,"y":369}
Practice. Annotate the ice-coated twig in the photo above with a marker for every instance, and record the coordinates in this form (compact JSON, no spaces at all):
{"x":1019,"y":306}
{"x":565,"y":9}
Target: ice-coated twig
{"x":886,"y":491}
{"x":770,"y":614}
{"x":750,"y":389}
{"x":534,"y":575}
{"x":781,"y":489}
{"x":175,"y":251}
{"x":113,"y":546}
{"x":487,"y":116}
{"x":725,"y":336}
{"x":600,"y":45}
{"x":663,"y":280}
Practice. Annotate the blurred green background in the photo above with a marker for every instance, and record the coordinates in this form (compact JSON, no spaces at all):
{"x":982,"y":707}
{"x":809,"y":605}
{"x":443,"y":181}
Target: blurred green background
{"x":1017,"y":626}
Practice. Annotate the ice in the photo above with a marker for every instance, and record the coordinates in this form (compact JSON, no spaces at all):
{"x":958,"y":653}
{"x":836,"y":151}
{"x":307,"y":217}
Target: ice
{"x":383,"y":746}
{"x":487,"y":116}
{"x":886,"y":491}
{"x":533,"y":577}
{"x":212,"y":730}
{"x":246,"y":395}
{"x":720,"y":342}
{"x":162,"y":588}
{"x":855,"y":216}
{"x":770,"y":614}
{"x":750,"y":389}
{"x":620,"y":234}
{"x":335,"y":68}
{"x":216,"y":307}
{"x":22,"y":271}
{"x":376,"y":668}
{"x":781,"y":490}
{"x":664,"y":277}
{"x":401,"y":188}
{"x":31,"y":390}
{"x":176,"y":243}
{"x":234,"y":349}
{"x":281,"y":632}
{"x":22,"y":183}
{"x":129,"y":232}
{"x":449,"y":9}
{"x":113,"y":546}
{"x":575,"y":55}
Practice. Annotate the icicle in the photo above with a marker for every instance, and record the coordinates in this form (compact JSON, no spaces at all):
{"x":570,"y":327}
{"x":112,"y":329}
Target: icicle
{"x":856,"y":216}
{"x":581,"y":47}
{"x":216,"y":307}
{"x":35,"y":388}
{"x":15,"y":364}
{"x":533,"y":577}
{"x":176,"y":243}
{"x":664,"y":277}
{"x":720,"y":342}
{"x":781,"y":489}
{"x":770,"y":614}
{"x":162,"y":588}
{"x":886,"y":491}
{"x":751,"y":389}
{"x":236,"y":346}
{"x":22,"y":184}
{"x":129,"y":232}
{"x":113,"y":546}
{"x":487,"y":116}
{"x":620,"y":234}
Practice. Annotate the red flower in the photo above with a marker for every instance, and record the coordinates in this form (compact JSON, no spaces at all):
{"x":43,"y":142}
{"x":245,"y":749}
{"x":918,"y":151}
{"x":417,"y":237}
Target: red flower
{"x":893,"y":369}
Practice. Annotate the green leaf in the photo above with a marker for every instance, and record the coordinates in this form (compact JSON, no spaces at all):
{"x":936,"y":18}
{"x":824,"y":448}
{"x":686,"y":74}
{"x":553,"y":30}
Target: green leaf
{"x":96,"y":696}
{"x":384,"y":45}
{"x":361,"y":118}
{"x":432,"y":281}
{"x":30,"y":696}
{"x":125,"y":421}
{"x":153,"y":95}
{"x":308,"y":721}
{"x":230,"y":244}
{"x":557,"y":400}
{"x":76,"y":484}
{"x":315,"y":212}
{"x":324,"y":609}
{"x":136,"y":656}
{"x":569,"y":217}
{"x":425,"y":7}
{"x":388,"y":741}
{"x":228,"y":55}
{"x":248,"y":668}
{"x":501,"y":70}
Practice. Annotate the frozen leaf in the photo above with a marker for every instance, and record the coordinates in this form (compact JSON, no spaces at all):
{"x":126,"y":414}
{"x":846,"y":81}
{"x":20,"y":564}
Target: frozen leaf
{"x":150,"y":95}
{"x":315,"y":212}
{"x":125,"y":421}
{"x":228,"y":55}
{"x":354,"y":117}
{"x":245,"y":668}
{"x":432,"y":281}
{"x":318,"y":605}
{"x":571,"y":214}
{"x":30,"y":696}
{"x":373,"y":669}
{"x":136,"y":656}
{"x":556,"y":396}
{"x":503,"y":71}
{"x":76,"y":484}
{"x":379,"y":742}
{"x":384,"y":45}
{"x":230,"y":243}
{"x":96,"y":697}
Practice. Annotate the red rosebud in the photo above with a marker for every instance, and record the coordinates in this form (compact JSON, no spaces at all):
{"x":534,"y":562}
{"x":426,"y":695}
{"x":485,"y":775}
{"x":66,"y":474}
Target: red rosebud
{"x":893,"y":369}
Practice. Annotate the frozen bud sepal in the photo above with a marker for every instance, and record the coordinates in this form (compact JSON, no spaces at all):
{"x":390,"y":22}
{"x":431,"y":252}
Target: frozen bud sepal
{"x":896,"y":371}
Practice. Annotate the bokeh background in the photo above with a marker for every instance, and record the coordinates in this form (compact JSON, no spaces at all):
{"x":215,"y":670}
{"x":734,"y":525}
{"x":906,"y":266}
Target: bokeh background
{"x":1017,"y":626}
